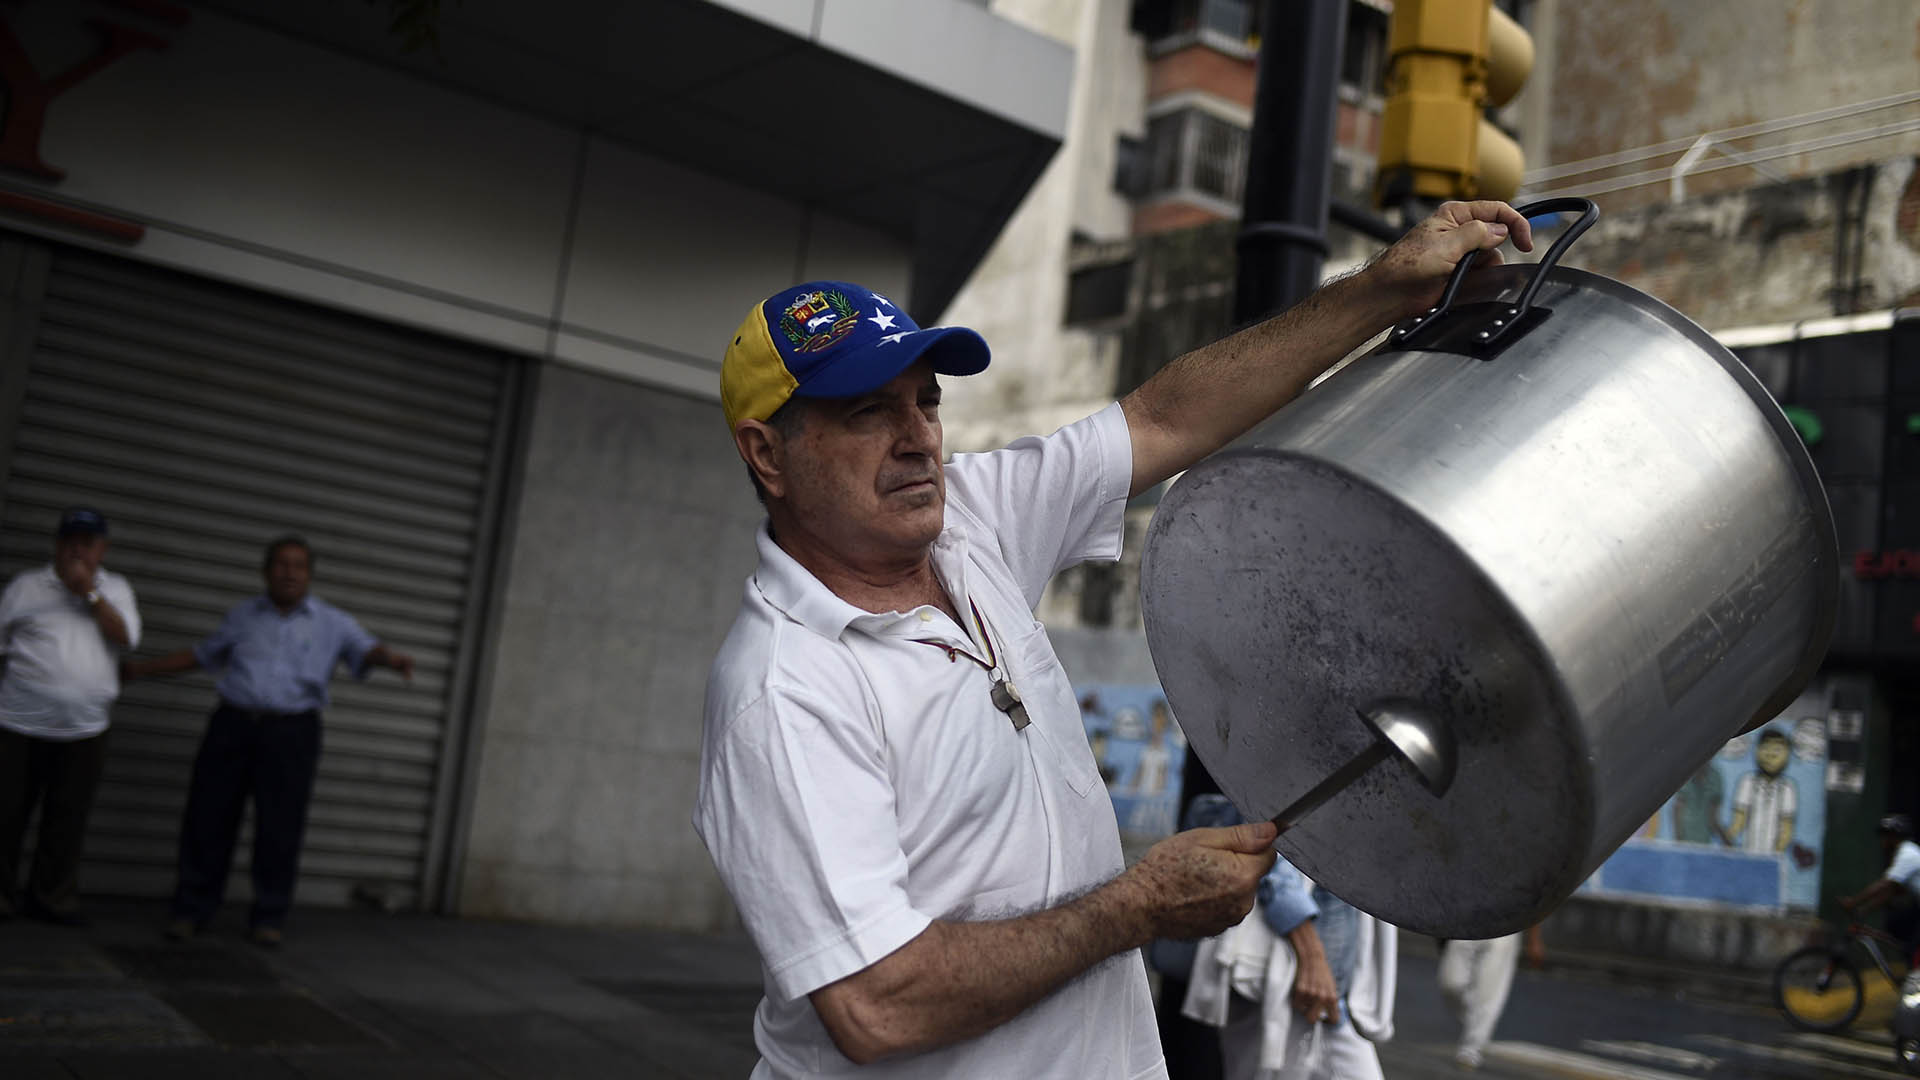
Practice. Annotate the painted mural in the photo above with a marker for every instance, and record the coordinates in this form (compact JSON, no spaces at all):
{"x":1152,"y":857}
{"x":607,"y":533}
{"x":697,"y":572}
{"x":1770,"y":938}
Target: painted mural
{"x":1140,"y":751}
{"x":1746,"y":829}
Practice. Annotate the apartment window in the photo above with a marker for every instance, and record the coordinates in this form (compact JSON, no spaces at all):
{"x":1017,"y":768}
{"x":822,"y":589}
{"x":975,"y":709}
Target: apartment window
{"x":1363,"y":65}
{"x":1130,"y":166}
{"x":1162,"y":21}
{"x":1191,"y":150}
{"x":1229,"y":18}
{"x":1219,"y":156}
{"x":1098,"y":293}
{"x":1165,"y":134}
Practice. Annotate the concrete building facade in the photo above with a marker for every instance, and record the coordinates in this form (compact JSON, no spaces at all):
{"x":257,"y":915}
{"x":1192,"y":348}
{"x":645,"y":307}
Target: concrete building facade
{"x":455,"y":314}
{"x":1755,"y":169}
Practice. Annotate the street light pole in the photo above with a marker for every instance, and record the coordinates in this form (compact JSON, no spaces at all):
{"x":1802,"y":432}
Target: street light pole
{"x":1283,"y":234}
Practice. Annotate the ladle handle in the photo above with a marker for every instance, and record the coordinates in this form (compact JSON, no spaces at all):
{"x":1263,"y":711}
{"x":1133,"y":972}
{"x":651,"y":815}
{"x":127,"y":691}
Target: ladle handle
{"x":1333,"y":785}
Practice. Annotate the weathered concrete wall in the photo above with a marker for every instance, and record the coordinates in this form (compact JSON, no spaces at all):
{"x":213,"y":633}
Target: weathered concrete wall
{"x":632,"y":539}
{"x":1634,"y":73}
{"x":1767,"y":254}
{"x":1045,"y":374}
{"x":1687,"y":935}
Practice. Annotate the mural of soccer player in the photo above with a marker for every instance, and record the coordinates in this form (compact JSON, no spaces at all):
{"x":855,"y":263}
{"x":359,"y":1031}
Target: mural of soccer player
{"x":1696,"y":808}
{"x":1765,"y":801}
{"x":1150,"y":775}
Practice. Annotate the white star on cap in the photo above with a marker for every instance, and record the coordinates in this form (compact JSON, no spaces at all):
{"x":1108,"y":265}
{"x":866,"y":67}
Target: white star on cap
{"x":884,"y":322}
{"x":894,"y":339}
{"x":881,"y":299}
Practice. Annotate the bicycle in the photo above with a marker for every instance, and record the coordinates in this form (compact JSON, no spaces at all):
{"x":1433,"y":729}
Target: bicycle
{"x":1819,"y":987}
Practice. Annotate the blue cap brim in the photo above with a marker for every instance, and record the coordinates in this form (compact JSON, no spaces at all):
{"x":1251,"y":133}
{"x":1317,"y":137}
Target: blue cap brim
{"x":954,"y":350}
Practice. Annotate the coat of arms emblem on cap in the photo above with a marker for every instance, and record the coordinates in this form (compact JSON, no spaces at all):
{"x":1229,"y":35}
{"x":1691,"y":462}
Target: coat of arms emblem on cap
{"x":815,"y":320}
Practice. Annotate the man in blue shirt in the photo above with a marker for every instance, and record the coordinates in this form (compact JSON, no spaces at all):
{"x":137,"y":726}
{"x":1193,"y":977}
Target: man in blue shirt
{"x":274,"y":655}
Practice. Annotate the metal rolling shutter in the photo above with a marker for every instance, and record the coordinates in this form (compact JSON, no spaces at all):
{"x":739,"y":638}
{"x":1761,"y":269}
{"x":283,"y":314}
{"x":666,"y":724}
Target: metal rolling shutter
{"x":204,"y":420}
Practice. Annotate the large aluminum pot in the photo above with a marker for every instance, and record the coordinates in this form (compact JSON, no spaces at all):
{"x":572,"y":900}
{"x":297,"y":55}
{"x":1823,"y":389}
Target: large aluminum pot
{"x":1557,"y":522}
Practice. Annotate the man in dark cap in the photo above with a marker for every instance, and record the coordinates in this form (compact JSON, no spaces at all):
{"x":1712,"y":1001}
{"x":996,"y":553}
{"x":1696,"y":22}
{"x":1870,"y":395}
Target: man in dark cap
{"x":63,"y":627}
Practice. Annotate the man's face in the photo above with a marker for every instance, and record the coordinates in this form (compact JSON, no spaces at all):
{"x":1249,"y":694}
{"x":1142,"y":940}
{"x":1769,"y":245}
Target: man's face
{"x":288,"y":575}
{"x":1772,"y":755}
{"x":85,"y":550}
{"x":863,"y":474}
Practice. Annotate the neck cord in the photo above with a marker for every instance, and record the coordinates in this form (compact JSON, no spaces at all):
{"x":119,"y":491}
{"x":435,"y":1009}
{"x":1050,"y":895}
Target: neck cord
{"x":954,"y":652}
{"x":1006,"y":697}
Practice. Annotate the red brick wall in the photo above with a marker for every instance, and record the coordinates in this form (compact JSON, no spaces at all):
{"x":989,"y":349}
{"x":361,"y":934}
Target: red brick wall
{"x":1198,"y":67}
{"x":1168,"y":216}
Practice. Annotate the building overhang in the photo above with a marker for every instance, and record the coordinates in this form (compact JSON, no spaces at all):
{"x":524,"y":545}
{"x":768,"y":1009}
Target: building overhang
{"x":927,"y":121}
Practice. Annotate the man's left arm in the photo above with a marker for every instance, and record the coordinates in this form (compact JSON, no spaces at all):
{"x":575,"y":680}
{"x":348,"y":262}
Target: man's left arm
{"x":363,"y":652}
{"x":1902,"y":876}
{"x":1872,"y":896}
{"x":1209,"y":397}
{"x":382,"y":656}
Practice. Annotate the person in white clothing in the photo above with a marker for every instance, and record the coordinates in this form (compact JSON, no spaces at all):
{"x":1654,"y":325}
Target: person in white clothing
{"x":1475,"y":978}
{"x":1302,"y":989}
{"x":895,"y":782}
{"x":63,"y":628}
{"x":1899,"y":888}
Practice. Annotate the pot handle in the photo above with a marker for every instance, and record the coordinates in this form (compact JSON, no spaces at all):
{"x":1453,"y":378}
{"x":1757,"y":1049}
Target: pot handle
{"x":1589,"y":213}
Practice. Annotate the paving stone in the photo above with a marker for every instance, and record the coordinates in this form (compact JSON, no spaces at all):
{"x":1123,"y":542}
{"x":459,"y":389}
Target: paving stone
{"x":206,"y":963}
{"x":23,"y":1068}
{"x":27,"y":952}
{"x":178,"y":1065}
{"x":57,"y":1016}
{"x":266,"y":1019}
{"x":364,"y":1066}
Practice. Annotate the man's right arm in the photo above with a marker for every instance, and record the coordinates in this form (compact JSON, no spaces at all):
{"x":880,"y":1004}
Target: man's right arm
{"x":958,"y":980}
{"x":171,"y":664}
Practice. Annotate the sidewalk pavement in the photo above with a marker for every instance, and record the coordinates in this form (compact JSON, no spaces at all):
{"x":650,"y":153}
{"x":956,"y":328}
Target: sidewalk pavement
{"x":357,"y":995}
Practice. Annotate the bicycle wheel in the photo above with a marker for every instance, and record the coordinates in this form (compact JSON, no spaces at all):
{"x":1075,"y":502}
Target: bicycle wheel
{"x":1818,"y":990}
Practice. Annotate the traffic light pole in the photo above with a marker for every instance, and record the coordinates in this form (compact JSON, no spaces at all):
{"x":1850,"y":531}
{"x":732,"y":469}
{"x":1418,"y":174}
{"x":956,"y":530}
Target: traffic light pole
{"x":1283,"y":235}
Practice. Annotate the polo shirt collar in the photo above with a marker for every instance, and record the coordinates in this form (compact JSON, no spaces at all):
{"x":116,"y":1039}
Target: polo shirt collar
{"x":794,"y":590}
{"x":264,"y":604}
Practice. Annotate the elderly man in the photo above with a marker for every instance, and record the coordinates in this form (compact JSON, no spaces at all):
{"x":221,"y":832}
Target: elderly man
{"x":895,"y":785}
{"x":62,"y":628}
{"x":275,"y":654}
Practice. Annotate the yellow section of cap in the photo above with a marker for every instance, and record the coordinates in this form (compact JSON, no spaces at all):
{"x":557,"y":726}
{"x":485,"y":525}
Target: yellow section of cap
{"x":754,"y":381}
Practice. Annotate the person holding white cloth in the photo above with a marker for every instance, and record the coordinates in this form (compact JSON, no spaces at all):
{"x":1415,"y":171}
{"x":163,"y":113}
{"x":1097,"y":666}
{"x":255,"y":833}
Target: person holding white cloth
{"x":1301,"y":989}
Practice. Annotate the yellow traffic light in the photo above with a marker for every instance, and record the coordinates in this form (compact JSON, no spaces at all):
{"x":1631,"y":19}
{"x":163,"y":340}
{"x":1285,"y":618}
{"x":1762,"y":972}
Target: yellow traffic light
{"x":1452,"y":59}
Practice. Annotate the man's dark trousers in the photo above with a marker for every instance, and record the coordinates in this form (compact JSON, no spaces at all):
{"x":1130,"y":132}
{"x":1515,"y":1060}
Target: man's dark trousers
{"x":269,"y":757}
{"x":66,"y":773}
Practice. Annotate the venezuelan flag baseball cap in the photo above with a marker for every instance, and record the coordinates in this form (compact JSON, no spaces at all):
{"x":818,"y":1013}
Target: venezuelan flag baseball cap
{"x":830,"y":339}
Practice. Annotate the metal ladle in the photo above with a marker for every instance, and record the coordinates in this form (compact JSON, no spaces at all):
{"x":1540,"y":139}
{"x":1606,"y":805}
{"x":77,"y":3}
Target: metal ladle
{"x":1400,"y":728}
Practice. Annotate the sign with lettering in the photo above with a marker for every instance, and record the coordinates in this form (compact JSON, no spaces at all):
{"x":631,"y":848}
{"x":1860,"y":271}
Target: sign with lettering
{"x":1877,"y":565}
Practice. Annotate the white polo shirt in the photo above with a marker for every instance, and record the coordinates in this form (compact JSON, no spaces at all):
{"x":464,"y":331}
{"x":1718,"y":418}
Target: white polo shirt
{"x":856,"y":784}
{"x":62,"y":672}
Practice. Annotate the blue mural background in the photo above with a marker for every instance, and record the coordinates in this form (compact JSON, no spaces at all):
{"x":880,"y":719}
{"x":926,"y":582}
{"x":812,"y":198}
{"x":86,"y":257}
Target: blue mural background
{"x":1746,"y":830}
{"x":1140,"y":751}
